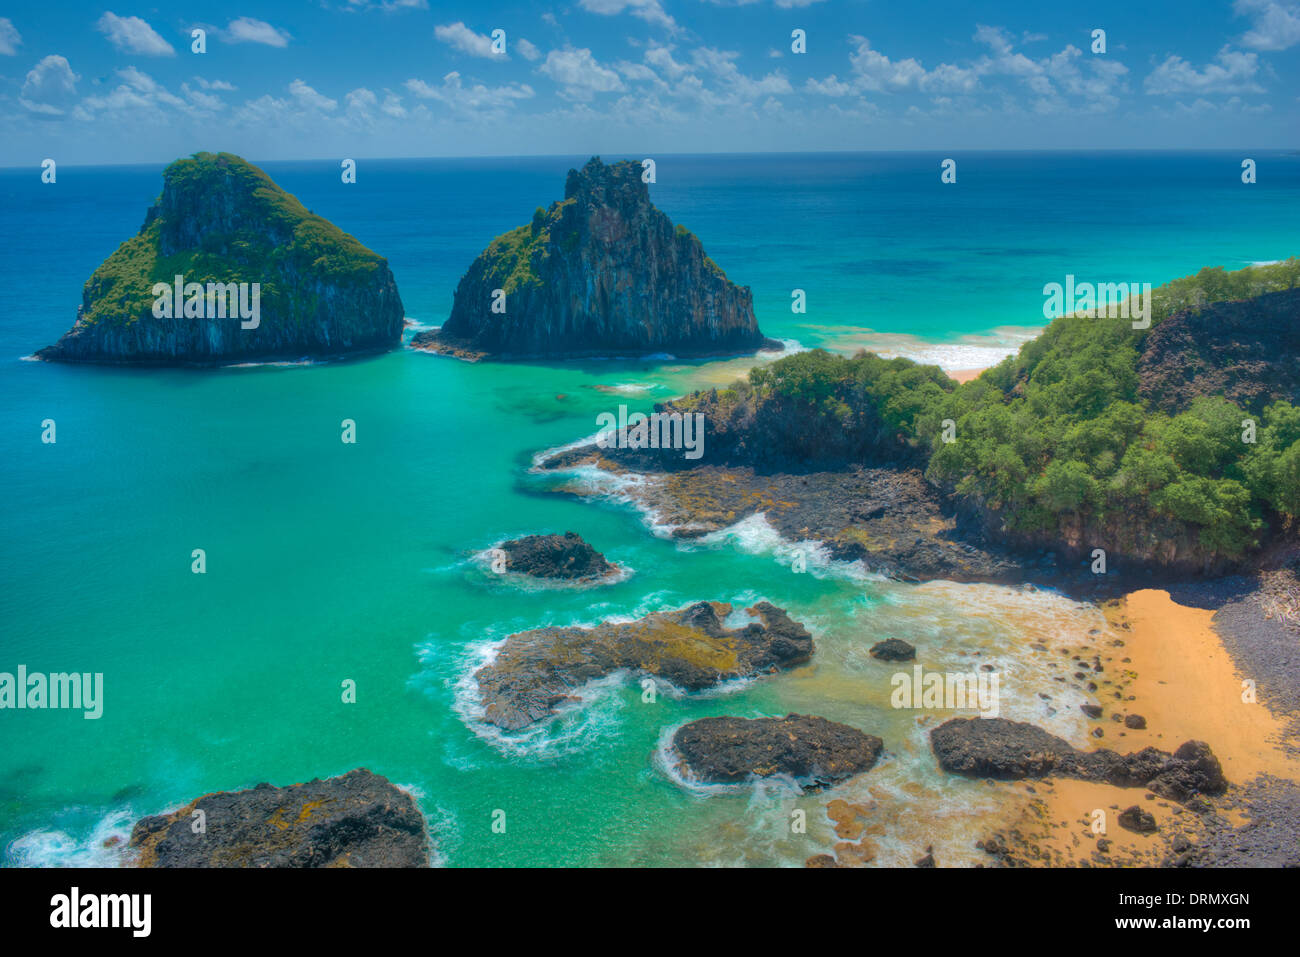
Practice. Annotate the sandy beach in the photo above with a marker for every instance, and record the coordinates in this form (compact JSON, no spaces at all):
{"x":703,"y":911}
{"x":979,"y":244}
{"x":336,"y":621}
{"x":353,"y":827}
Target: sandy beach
{"x":1165,"y":662}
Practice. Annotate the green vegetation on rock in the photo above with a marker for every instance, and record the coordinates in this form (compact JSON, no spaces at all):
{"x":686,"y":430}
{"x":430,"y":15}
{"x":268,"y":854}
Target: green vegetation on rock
{"x":269,"y":235}
{"x":1058,"y":443}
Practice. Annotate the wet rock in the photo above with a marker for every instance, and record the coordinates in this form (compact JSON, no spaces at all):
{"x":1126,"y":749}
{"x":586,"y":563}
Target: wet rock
{"x":356,"y":820}
{"x":893,"y":649}
{"x":564,"y":556}
{"x":692,"y":648}
{"x":1135,"y":722}
{"x":1009,"y":750}
{"x":813,"y":751}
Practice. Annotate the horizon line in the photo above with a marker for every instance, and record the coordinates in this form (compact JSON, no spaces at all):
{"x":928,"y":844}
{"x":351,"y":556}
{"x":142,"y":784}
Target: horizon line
{"x":844,"y":152}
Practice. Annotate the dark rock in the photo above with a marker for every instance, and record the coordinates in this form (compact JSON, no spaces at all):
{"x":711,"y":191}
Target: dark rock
{"x":602,"y":272}
{"x":1010,"y":750}
{"x":812,"y":750}
{"x":356,"y":820}
{"x":893,"y":649}
{"x":1135,"y":721}
{"x":692,"y":648}
{"x":1245,"y":351}
{"x":1091,"y":710}
{"x":564,"y":556}
{"x":1136,"y":819}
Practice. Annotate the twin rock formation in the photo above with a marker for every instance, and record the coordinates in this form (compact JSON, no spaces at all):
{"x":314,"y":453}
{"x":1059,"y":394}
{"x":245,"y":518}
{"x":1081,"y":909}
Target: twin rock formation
{"x":602,"y":272}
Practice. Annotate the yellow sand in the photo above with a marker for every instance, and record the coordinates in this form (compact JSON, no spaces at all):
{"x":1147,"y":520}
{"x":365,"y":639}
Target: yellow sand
{"x":1185,"y":685}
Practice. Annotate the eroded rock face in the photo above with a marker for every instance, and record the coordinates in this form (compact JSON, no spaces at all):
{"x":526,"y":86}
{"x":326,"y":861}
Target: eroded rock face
{"x":220,"y":219}
{"x":602,"y":272}
{"x":692,"y":648}
{"x":1247,"y":352}
{"x":565,"y":557}
{"x":812,"y":750}
{"x":356,"y":820}
{"x":1010,"y":750}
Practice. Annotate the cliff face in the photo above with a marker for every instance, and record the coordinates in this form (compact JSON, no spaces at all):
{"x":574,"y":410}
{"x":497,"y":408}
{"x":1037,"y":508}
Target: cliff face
{"x":222,"y":220}
{"x":601,"y":272}
{"x":1246,"y":351}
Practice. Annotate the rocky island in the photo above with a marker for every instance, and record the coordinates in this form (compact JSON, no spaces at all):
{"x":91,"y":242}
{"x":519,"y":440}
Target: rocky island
{"x":556,"y":557}
{"x":356,"y":820}
{"x":693,"y":648}
{"x":813,"y":751}
{"x":228,"y":267}
{"x":600,"y":273}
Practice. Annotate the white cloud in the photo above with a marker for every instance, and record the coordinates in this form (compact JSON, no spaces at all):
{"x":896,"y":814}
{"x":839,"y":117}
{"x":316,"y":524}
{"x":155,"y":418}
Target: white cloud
{"x":462,"y":38}
{"x":10,"y":41}
{"x":527,"y":50}
{"x":49,"y":87}
{"x":248,"y":30}
{"x":1275,"y":24}
{"x":1232,"y":72}
{"x":309,"y":98}
{"x":474,"y":98}
{"x":651,"y":11}
{"x":213,"y":84}
{"x":133,"y":35}
{"x":579,"y":74}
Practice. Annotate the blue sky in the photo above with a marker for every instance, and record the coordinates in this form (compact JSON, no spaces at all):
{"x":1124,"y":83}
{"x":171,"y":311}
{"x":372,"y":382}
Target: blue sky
{"x":96,"y":83}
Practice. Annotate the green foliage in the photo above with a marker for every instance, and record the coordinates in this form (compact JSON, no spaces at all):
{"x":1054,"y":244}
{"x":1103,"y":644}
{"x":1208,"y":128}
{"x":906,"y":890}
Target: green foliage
{"x":272,"y":240}
{"x":1060,"y":430}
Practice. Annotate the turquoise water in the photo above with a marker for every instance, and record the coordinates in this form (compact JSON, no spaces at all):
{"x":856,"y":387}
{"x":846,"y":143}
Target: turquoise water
{"x":329,"y":561}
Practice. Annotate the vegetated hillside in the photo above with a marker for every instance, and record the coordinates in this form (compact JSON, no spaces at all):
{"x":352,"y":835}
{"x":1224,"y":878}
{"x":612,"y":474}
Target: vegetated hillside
{"x":222,"y":220}
{"x":1085,"y":439}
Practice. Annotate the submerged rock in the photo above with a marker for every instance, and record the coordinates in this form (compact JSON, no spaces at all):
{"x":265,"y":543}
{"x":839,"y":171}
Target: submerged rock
{"x":601,"y":272}
{"x":812,"y":750}
{"x":356,"y":820}
{"x":1010,"y":750}
{"x":692,"y":648}
{"x":564,"y":556}
{"x":221,"y":220}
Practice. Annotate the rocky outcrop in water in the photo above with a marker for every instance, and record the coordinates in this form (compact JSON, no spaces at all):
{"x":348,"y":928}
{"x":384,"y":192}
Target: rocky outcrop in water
{"x":536,"y":671}
{"x":219,"y":222}
{"x":600,"y":273}
{"x":1246,"y":351}
{"x":1010,"y":750}
{"x":812,"y":750}
{"x":565,"y":557}
{"x":356,"y":820}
